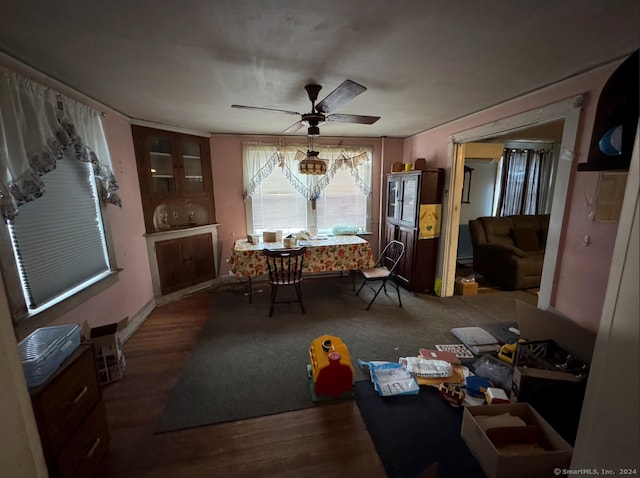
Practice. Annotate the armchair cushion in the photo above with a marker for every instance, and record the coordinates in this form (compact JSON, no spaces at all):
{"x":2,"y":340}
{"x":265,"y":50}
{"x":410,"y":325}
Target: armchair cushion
{"x":525,"y":238}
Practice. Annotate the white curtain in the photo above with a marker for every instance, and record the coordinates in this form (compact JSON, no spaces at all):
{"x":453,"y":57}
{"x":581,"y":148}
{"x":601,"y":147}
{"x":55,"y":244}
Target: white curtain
{"x":36,"y":126}
{"x":260,"y":159}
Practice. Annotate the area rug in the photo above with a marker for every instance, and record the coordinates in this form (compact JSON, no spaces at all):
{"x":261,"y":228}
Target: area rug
{"x":247,"y":364}
{"x":414,"y":433}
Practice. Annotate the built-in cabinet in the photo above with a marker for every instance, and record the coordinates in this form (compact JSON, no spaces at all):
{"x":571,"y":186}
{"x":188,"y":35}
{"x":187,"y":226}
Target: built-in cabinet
{"x":182,"y":260}
{"x":176,"y":186}
{"x":71,"y":417}
{"x":413,"y":217}
{"x":185,"y":262}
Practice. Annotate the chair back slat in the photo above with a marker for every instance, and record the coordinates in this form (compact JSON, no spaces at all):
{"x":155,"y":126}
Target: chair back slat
{"x":285,"y":265}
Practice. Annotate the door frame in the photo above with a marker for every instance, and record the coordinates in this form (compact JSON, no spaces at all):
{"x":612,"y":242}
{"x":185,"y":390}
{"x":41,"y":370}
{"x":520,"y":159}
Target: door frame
{"x":568,"y":110}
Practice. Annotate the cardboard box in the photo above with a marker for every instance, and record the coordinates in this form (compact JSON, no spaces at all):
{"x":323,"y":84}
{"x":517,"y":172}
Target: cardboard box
{"x":527,"y":450}
{"x":535,"y":360}
{"x":272,"y":236}
{"x":108,"y":346}
{"x":555,"y":394}
{"x":463,"y":287}
{"x":550,"y":332}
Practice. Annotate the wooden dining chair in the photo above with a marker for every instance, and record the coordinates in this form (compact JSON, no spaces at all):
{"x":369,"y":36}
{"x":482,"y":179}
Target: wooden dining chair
{"x":285,"y":269}
{"x":384,"y":271}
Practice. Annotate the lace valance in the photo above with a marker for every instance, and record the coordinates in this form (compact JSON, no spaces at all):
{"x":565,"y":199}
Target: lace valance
{"x":38,"y":126}
{"x":259,"y":161}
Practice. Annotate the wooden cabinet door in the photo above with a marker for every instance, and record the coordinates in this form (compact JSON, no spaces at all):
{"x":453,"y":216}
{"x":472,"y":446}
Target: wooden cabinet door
{"x":174,"y":172}
{"x":173,"y":274}
{"x":185,"y":262}
{"x":405,"y":269}
{"x":394,"y":190}
{"x":199,"y":258}
{"x":390,"y":234}
{"x":410,"y":200}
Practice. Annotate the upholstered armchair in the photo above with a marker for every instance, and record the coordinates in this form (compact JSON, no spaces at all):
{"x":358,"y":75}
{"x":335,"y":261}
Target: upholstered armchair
{"x":509,"y":251}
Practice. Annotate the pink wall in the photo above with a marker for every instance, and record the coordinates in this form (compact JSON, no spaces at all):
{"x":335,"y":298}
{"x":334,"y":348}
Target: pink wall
{"x":581,"y":272}
{"x":133,"y":289}
{"x":226,"y":157}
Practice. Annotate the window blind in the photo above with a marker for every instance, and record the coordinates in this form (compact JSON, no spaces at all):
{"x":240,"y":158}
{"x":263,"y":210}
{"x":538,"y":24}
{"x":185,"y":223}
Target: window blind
{"x":59,"y":239}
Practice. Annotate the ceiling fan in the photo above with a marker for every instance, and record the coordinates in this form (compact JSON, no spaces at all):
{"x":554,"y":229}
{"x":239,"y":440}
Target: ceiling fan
{"x":320,"y":113}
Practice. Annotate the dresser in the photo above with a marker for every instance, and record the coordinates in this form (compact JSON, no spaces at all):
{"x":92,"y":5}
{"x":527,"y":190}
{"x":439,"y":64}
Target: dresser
{"x":71,"y":417}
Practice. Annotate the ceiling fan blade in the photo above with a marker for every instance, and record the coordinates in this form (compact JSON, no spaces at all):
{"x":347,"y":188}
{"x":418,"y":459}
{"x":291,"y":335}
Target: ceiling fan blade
{"x":265,"y":109}
{"x":294,"y":127}
{"x":353,"y":118}
{"x":347,"y":91}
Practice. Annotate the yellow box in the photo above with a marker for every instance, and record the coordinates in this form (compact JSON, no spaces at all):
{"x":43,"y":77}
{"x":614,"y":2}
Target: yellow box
{"x":465,"y":288}
{"x":272,"y":236}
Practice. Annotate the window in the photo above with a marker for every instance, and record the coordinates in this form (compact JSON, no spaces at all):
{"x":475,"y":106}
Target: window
{"x":341,"y":203}
{"x":277,"y":205}
{"x":55,"y":180}
{"x":279,"y":197}
{"x":58,"y":240}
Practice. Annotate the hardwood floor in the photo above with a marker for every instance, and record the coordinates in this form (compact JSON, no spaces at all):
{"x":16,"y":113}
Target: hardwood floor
{"x":327,"y":440}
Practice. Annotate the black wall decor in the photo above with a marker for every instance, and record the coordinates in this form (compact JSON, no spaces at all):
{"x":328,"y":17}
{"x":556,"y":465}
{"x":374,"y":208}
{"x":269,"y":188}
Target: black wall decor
{"x":616,"y":120}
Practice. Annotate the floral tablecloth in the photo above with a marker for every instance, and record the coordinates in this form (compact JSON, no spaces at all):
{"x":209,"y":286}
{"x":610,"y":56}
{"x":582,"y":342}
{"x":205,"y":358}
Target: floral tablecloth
{"x":336,"y":253}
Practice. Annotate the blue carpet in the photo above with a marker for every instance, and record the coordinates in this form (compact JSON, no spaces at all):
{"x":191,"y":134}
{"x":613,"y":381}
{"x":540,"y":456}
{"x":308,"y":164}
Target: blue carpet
{"x":413,"y":432}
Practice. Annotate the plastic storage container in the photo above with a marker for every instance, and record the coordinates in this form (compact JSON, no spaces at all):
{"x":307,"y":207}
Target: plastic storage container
{"x":45,"y":349}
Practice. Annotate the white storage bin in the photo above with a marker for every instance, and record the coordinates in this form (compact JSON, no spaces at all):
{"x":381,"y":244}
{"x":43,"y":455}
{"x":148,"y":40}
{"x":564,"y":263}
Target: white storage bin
{"x":45,"y":349}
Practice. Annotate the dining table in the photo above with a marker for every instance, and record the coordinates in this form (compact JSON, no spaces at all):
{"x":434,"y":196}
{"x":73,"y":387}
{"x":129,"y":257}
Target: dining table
{"x":340,"y":253}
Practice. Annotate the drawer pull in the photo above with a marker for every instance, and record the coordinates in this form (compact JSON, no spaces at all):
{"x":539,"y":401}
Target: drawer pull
{"x":93,"y":448}
{"x":82,"y":393}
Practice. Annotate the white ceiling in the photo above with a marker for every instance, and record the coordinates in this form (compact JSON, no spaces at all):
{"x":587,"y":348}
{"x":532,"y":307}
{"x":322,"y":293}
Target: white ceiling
{"x":184,"y":63}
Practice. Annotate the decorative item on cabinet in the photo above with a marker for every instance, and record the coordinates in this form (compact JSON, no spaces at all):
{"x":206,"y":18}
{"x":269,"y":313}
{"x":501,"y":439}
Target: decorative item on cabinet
{"x":71,"y":416}
{"x":413,"y":206}
{"x":420,"y":164}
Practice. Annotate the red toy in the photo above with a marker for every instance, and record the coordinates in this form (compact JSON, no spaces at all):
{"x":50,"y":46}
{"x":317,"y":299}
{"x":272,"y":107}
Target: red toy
{"x":331,"y":367}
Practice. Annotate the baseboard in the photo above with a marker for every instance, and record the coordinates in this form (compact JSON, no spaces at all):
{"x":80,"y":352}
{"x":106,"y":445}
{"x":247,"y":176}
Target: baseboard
{"x":137,"y":319}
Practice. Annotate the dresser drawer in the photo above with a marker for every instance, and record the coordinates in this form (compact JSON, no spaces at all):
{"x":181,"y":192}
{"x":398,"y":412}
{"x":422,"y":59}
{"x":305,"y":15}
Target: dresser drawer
{"x":66,"y":400}
{"x":81,"y":454}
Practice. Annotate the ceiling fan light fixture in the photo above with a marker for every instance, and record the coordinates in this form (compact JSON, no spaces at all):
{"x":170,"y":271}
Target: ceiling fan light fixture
{"x":313,"y":131}
{"x":312,"y":165}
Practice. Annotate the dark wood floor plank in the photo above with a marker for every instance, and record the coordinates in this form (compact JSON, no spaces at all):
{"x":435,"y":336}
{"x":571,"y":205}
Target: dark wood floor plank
{"x":327,"y":440}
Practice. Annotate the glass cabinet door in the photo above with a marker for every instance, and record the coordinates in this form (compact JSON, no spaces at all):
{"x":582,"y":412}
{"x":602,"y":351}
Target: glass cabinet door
{"x":192,"y":161}
{"x":161,"y":159}
{"x":409,"y":200}
{"x":393,"y":198}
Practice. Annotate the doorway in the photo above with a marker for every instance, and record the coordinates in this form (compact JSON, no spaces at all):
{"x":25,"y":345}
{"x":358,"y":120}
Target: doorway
{"x":568,"y":112}
{"x":496,"y":185}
